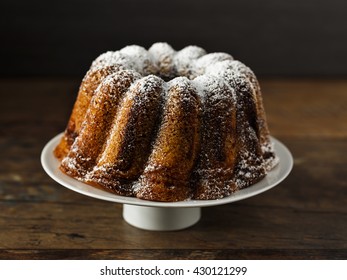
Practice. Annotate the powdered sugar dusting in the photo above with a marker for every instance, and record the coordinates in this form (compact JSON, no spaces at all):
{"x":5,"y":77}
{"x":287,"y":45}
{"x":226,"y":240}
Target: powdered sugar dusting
{"x":185,"y":58}
{"x":113,"y":58}
{"x":210,"y":59}
{"x":207,"y":84}
{"x":162,"y":56}
{"x":140,"y":59}
{"x":116,"y":80}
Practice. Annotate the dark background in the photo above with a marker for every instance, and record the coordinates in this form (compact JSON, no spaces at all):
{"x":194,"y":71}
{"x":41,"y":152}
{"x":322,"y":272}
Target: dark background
{"x":300,"y":38}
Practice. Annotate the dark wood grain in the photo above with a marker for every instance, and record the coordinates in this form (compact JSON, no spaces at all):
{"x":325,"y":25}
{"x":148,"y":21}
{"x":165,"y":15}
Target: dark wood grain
{"x":182,"y":254}
{"x":303,"y":218}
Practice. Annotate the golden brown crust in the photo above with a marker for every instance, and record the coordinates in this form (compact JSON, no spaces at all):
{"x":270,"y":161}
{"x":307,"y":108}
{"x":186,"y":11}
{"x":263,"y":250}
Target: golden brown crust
{"x":263,"y":131}
{"x":250,"y":162}
{"x":166,"y":177}
{"x":126,"y":152}
{"x":88,"y":86}
{"x":98,"y":119}
{"x":214,"y":170}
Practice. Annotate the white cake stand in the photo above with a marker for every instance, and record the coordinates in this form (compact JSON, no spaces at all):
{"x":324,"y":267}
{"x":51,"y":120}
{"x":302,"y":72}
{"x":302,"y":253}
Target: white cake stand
{"x":164,"y":216}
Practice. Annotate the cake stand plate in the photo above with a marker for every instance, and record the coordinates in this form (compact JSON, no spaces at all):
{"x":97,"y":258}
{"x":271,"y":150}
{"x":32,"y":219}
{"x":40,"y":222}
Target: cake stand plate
{"x":165,"y":216}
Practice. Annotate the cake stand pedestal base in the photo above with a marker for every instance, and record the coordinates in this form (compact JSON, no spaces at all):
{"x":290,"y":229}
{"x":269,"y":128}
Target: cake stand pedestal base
{"x":160,"y":218}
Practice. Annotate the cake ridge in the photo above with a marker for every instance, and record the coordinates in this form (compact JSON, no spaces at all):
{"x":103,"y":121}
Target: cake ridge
{"x":103,"y":106}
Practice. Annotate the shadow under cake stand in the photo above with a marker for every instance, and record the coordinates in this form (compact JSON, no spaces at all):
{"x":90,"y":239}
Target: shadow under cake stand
{"x":165,"y":216}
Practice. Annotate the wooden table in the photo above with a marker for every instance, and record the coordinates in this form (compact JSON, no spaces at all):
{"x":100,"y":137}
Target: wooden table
{"x":305,"y":217}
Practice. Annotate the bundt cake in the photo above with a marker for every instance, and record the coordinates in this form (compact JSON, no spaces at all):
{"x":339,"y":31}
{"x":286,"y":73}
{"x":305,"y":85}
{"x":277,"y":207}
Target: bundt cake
{"x":167,"y":125}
